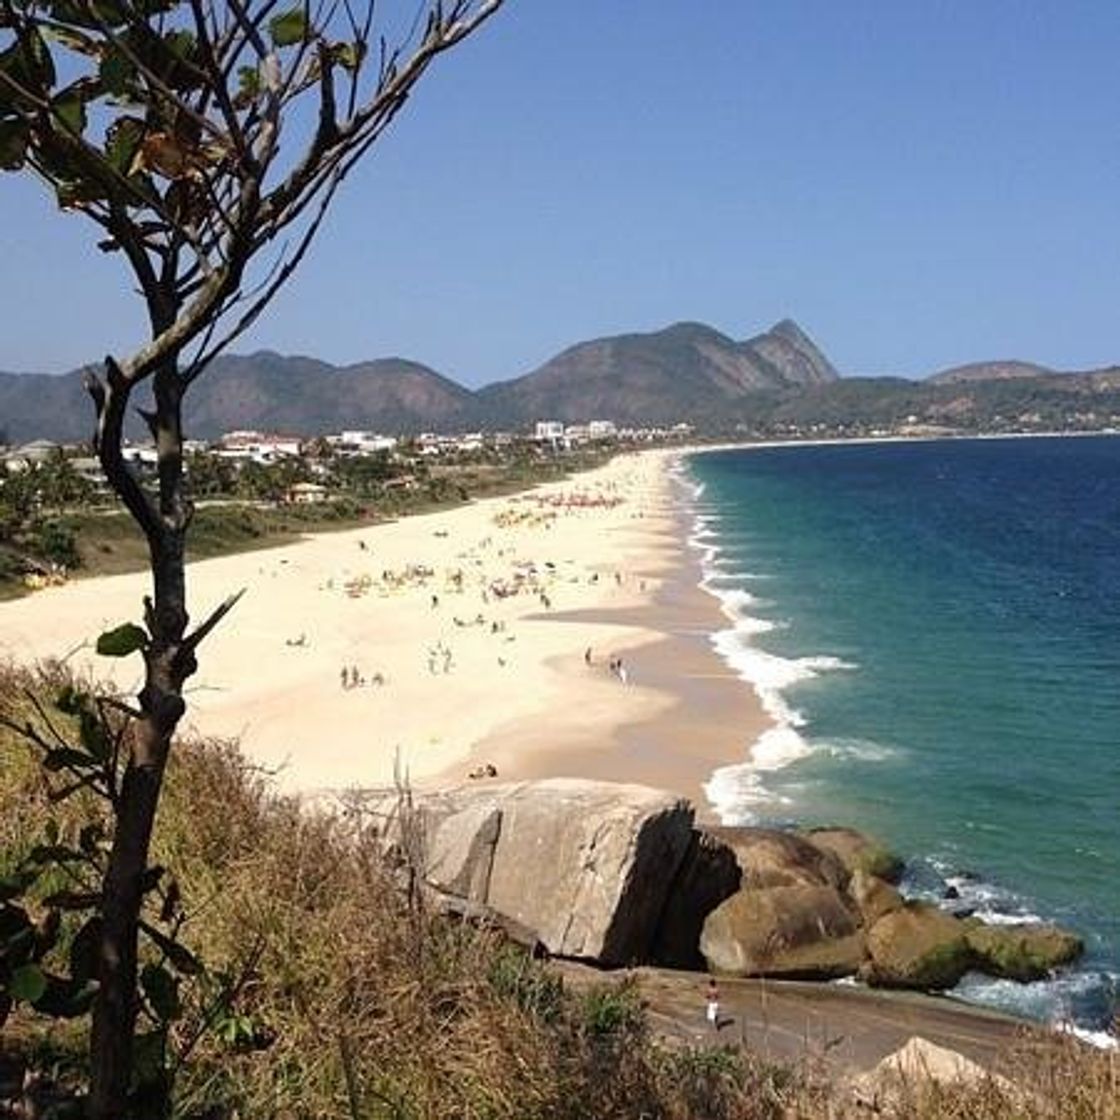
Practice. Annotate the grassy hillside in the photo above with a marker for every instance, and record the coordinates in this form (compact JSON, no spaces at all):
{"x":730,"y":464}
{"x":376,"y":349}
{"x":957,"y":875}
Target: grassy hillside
{"x":350,"y":998}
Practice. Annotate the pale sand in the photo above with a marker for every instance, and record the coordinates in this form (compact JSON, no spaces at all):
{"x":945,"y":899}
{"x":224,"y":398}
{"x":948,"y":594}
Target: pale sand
{"x":522,"y":697}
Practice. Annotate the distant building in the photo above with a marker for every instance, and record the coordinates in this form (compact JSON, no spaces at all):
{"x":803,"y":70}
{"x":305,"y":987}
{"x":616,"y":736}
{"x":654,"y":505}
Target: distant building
{"x":362,"y":442}
{"x":550,"y":431}
{"x":601,"y":429}
{"x":29,"y":454}
{"x":306,"y":494}
{"x":258,"y":447}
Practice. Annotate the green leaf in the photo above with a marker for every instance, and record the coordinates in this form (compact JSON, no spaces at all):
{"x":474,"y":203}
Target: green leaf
{"x":14,"y":136}
{"x":27,"y":983}
{"x":288,"y":27}
{"x":13,"y":885}
{"x":66,"y":999}
{"x":95,"y":738}
{"x":181,"y":958}
{"x":84,"y":950}
{"x":122,"y":141}
{"x":16,"y":931}
{"x":348,"y":55}
{"x":117,"y":73}
{"x":70,"y":111}
{"x":70,"y":700}
{"x":162,"y":991}
{"x":122,"y":641}
{"x":248,"y":87}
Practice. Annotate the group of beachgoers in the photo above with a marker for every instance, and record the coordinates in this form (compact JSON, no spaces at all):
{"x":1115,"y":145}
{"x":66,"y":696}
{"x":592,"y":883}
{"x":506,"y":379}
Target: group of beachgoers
{"x":493,"y":573}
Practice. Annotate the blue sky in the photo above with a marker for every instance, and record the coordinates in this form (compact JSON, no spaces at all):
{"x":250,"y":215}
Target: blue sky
{"x":918,"y":183}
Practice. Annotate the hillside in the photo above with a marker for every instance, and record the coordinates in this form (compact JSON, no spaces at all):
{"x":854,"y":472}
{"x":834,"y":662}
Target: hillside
{"x":988,"y":371}
{"x":688,"y":371}
{"x":768,"y":383}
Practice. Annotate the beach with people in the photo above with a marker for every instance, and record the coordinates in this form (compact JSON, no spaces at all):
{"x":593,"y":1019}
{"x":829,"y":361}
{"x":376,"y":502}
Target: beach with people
{"x":554,"y":632}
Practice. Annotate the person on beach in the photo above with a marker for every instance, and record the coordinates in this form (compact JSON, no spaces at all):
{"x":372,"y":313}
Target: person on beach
{"x":712,"y":999}
{"x":587,"y":656}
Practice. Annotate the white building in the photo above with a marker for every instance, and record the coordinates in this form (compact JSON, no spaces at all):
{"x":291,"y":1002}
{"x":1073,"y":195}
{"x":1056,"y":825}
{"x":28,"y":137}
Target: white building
{"x":363,"y":442}
{"x":550,"y":430}
{"x":259,"y":447}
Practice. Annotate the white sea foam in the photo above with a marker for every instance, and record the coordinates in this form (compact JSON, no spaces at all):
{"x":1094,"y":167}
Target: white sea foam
{"x":736,"y":791}
{"x":1102,"y":1040}
{"x":859,"y":750}
{"x":1070,"y":1001}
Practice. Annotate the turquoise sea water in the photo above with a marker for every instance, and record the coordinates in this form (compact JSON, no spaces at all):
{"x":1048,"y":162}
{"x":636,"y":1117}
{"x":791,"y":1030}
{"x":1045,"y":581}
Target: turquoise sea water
{"x":936,"y":629}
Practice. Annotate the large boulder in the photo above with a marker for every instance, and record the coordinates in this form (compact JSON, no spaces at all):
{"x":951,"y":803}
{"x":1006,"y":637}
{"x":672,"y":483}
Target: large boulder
{"x":708,"y":874}
{"x":772,"y":858}
{"x":587,"y":865}
{"x":873,"y":897}
{"x":917,"y":946}
{"x":1021,"y":952}
{"x":795,"y":932}
{"x":857,"y":852}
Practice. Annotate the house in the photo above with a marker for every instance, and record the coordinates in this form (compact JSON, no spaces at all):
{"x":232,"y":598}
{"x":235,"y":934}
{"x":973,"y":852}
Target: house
{"x":362,"y":442}
{"x":306,"y":494}
{"x":549,"y":431}
{"x":258,"y":447}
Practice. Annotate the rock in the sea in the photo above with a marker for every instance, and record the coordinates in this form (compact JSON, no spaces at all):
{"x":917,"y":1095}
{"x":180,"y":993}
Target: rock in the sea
{"x":873,"y":896}
{"x":857,"y":852}
{"x":796,"y":932}
{"x":917,"y":947}
{"x":587,"y":865}
{"x":708,"y":874}
{"x":1021,"y":952}
{"x":772,"y":858}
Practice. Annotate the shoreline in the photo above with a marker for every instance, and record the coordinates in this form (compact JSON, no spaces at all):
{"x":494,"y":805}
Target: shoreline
{"x":468,"y":628}
{"x":702,"y":715}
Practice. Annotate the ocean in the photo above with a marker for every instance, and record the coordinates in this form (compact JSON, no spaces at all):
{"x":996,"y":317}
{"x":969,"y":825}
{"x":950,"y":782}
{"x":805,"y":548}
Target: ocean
{"x":935,"y":629}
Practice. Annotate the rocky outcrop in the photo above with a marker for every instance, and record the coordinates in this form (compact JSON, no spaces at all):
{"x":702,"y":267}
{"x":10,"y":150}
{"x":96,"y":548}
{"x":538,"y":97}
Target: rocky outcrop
{"x":873,"y":897}
{"x":857,"y":852}
{"x":709,"y":873}
{"x":771,"y":858}
{"x":917,"y":946}
{"x":793,"y":931}
{"x":617,"y":874}
{"x":587,"y":865}
{"x":1021,"y":952}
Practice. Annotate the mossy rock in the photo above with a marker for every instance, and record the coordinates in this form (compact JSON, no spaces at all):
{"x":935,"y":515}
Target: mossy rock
{"x":917,"y":946}
{"x":1022,"y":953}
{"x":858,"y":852}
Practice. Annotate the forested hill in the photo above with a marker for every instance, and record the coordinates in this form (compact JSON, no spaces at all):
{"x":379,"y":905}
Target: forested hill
{"x":688,"y":371}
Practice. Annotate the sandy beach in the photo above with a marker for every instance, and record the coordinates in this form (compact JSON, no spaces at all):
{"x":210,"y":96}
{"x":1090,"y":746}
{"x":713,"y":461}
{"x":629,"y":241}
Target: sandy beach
{"x":444,"y":642}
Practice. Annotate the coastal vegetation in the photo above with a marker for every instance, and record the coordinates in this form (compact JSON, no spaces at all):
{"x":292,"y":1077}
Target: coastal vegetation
{"x":321,"y":985}
{"x":54,"y":520}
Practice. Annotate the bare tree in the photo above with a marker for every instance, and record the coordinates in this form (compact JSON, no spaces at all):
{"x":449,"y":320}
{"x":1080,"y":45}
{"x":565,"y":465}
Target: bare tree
{"x":206,"y":139}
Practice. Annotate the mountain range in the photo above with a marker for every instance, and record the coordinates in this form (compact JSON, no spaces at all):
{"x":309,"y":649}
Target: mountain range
{"x":687,"y":371}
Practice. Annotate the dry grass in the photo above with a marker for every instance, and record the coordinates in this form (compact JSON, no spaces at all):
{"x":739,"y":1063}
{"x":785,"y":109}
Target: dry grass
{"x":355,"y":1002}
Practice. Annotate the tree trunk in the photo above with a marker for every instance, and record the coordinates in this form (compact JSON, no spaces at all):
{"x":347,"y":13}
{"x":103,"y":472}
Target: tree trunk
{"x":168,"y":663}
